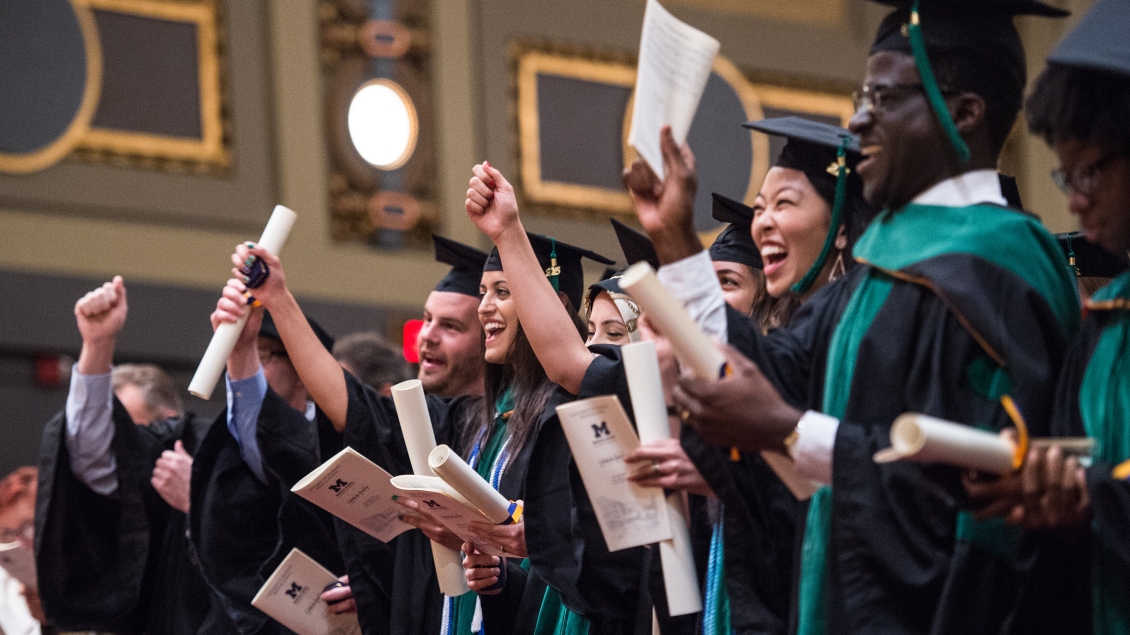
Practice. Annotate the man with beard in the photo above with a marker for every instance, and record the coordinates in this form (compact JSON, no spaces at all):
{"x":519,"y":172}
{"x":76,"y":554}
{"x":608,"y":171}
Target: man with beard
{"x":961,"y":302}
{"x":450,"y":345}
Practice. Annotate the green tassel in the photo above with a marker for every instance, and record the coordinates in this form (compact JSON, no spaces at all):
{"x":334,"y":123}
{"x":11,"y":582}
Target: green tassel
{"x":930,"y":84}
{"x":554,"y":271}
{"x":837,"y":214}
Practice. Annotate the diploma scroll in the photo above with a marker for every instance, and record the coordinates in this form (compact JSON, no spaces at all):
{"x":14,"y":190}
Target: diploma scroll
{"x":455,"y":472}
{"x":641,"y":365}
{"x":416,"y":425}
{"x":923,"y":439}
{"x":691,"y":345}
{"x":223,"y":340}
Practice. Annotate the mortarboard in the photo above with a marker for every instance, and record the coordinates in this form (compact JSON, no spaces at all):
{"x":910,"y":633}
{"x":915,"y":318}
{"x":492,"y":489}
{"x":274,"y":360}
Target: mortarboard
{"x":980,"y":32}
{"x":635,"y":244}
{"x":827,"y":155}
{"x":1088,"y":259}
{"x":561,"y":261}
{"x":734,"y":244}
{"x":269,"y":331}
{"x":1101,"y":40}
{"x":466,"y":266}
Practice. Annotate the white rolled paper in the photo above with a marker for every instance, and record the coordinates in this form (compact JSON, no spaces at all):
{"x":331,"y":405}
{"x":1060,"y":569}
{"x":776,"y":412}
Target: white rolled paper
{"x":455,"y":472}
{"x":922,"y":439}
{"x":645,"y":385}
{"x":691,"y":345}
{"x":416,"y":425}
{"x":223,"y":340}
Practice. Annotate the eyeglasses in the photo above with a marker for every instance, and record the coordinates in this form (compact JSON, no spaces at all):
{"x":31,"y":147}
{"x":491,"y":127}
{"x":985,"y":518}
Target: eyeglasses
{"x":1083,"y":179}
{"x":266,"y":356}
{"x":872,"y":97}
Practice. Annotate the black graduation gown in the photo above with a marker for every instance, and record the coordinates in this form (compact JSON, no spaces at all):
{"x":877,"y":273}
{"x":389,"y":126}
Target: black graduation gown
{"x":896,"y":561}
{"x":760,"y":531}
{"x":242,"y":528}
{"x":119,"y":563}
{"x":567,"y":549}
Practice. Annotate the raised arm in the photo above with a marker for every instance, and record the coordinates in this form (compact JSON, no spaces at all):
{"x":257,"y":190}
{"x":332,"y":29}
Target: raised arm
{"x":666,"y":208}
{"x":492,"y":207}
{"x":316,"y":367}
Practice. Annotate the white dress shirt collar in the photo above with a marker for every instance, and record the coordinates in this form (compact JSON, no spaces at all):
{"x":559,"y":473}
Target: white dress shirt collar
{"x":970,"y":188}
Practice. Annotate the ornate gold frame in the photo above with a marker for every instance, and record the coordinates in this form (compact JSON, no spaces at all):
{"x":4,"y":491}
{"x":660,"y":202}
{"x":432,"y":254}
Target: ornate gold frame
{"x":210,"y":147}
{"x":530,"y":65}
{"x":765,"y":93}
{"x":80,"y":125}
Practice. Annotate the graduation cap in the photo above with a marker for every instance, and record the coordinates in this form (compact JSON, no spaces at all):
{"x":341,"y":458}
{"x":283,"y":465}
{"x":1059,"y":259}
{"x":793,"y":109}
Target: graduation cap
{"x":466,"y":266}
{"x":1088,"y":259}
{"x":978,"y":30}
{"x":734,"y":244}
{"x":269,"y":331}
{"x":561,"y":261}
{"x":635,"y":244}
{"x":827,"y":155}
{"x":1100,"y":39}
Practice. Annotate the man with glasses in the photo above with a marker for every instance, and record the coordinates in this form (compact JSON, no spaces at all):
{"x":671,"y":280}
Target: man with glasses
{"x":961,"y":303}
{"x":1081,"y":106}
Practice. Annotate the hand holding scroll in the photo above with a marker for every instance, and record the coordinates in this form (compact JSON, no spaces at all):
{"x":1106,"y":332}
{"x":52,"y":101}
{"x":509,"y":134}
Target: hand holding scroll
{"x":491,"y":204}
{"x":666,"y":465}
{"x":482,"y":571}
{"x":432,"y":528}
{"x":230,"y":308}
{"x":741,"y":410}
{"x":511,"y":538}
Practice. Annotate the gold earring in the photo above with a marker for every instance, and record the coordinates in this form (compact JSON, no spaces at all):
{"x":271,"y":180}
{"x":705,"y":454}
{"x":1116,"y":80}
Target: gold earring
{"x":838,"y":268}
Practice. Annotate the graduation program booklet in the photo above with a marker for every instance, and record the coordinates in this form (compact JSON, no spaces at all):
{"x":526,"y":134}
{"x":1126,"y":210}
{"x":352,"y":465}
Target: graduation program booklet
{"x":19,"y":561}
{"x":358,"y":491}
{"x":600,"y":436}
{"x":446,"y":505}
{"x":292,"y":596}
{"x":675,"y":62}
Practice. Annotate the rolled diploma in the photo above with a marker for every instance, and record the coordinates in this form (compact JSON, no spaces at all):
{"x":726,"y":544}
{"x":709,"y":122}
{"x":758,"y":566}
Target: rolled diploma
{"x":416,"y":425}
{"x":645,"y":385}
{"x":693,"y":347}
{"x":455,"y":472}
{"x":922,"y":439}
{"x":223,"y":340}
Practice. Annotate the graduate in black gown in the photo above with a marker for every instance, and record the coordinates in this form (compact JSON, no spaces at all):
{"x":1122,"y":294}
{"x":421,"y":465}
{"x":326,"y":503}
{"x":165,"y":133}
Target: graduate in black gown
{"x":110,"y":531}
{"x":497,"y":433}
{"x":1081,"y":106}
{"x":590,"y":588}
{"x":450,"y":349}
{"x":961,"y":302}
{"x":243,"y":519}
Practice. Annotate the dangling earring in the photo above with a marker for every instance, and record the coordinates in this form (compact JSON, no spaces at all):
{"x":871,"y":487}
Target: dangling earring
{"x":837,"y":267}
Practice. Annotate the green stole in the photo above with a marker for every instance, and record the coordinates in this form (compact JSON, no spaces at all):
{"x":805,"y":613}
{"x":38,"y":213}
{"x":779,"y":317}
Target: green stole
{"x":893,"y":241}
{"x":1104,"y":403}
{"x":463,"y":607}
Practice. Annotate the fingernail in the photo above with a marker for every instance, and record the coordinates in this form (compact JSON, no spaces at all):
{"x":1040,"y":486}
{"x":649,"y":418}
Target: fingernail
{"x":246,"y":279}
{"x":394,"y":497}
{"x":251,"y":245}
{"x":247,"y":263}
{"x":401,"y":517}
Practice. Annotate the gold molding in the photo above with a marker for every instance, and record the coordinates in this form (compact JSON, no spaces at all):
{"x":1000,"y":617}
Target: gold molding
{"x":530,"y":65}
{"x":809,"y":101}
{"x":50,"y":154}
{"x":209,"y":148}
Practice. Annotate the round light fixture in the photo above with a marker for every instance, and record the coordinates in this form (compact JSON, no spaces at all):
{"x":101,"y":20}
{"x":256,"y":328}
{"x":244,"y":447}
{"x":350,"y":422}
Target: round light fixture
{"x":383,"y":124}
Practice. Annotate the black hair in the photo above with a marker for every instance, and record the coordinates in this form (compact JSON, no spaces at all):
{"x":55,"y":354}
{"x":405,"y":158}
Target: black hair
{"x":533,"y":389}
{"x":1085,"y":104}
{"x":1001,"y":86}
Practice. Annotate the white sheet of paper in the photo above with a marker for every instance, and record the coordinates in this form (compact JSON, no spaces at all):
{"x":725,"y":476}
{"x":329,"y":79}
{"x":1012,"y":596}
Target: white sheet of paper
{"x":441,"y":501}
{"x":358,"y":491}
{"x":600,"y":436}
{"x":675,"y":62}
{"x":19,"y":561}
{"x":292,"y":596}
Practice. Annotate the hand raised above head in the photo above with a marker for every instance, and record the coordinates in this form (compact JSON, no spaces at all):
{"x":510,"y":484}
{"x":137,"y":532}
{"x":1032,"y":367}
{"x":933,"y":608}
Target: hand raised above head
{"x":101,"y":313}
{"x":270,"y":289}
{"x":491,"y":204}
{"x":742,"y":409}
{"x":666,"y":207}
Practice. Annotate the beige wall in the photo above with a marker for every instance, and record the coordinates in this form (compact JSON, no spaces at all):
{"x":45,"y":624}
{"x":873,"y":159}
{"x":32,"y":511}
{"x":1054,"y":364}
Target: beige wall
{"x":467,"y":38}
